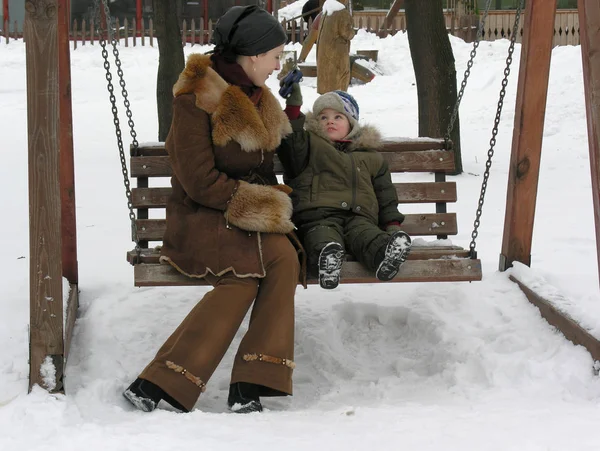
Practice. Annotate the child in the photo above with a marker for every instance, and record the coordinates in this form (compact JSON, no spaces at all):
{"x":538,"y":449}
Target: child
{"x":343,"y":194}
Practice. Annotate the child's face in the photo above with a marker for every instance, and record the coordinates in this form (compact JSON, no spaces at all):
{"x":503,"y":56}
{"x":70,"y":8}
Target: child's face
{"x":335,"y":124}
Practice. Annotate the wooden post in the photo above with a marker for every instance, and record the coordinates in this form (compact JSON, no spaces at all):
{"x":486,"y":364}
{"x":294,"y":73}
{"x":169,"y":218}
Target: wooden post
{"x":151,"y":27}
{"x":67,"y":173}
{"x":126,"y":27}
{"x":143,"y":32}
{"x":46,"y":346}
{"x":589,"y":22}
{"x":83,"y":32}
{"x":6,"y":30}
{"x":532,"y":92}
{"x":134,"y":29}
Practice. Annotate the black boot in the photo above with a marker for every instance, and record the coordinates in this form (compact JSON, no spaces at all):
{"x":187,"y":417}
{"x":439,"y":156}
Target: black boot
{"x":244,"y":398}
{"x":395,"y":253}
{"x":145,"y":396}
{"x":331,"y":259}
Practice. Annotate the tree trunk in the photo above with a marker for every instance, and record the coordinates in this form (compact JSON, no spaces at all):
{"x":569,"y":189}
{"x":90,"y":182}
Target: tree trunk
{"x":435,"y":72}
{"x":170,"y":61}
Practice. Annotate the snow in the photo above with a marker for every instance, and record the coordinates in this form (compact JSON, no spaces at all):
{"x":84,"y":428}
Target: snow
{"x":430,"y":366}
{"x":331,"y":6}
{"x":48,"y":373}
{"x":291,"y":10}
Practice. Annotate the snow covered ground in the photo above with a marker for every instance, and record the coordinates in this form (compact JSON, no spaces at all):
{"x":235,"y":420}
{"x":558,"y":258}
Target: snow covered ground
{"x":452,"y":366}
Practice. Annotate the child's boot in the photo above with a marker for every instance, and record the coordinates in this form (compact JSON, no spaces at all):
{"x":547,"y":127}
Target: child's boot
{"x":330,"y":265}
{"x":396,"y":251}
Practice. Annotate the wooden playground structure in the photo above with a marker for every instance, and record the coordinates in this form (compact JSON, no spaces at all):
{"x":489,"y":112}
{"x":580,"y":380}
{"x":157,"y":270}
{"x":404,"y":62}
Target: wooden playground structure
{"x":53,"y":243}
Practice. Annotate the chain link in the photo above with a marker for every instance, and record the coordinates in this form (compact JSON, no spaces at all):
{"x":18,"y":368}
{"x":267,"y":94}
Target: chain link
{"x":490,"y":153}
{"x":111,"y":91}
{"x":463,"y":84}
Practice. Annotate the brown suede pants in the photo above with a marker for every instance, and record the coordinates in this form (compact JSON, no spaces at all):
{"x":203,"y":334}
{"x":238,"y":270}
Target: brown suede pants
{"x":187,"y":360}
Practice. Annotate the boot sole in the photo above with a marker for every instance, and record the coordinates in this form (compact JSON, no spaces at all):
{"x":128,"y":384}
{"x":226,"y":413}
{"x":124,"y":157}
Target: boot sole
{"x":250,"y":407}
{"x":329,"y":280}
{"x":143,"y":404}
{"x":390,"y":265}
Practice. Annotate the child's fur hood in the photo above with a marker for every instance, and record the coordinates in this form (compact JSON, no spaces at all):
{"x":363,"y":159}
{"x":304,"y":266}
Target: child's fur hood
{"x":363,"y":137}
{"x":233,"y":115}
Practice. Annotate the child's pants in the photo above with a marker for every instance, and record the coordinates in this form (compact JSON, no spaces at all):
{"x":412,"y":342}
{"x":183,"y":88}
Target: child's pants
{"x":357,"y":234}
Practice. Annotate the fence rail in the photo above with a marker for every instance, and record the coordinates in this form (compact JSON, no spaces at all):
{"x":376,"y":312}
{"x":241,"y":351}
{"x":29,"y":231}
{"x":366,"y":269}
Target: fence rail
{"x":82,"y":33}
{"x":498,"y":26}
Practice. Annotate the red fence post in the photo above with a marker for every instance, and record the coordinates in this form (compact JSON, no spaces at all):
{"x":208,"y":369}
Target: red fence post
{"x":5,"y":14}
{"x":138,"y":16}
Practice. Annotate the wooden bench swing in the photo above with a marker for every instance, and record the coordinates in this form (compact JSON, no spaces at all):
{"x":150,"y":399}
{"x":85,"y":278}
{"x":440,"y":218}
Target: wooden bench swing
{"x":425,"y":263}
{"x":429,"y":263}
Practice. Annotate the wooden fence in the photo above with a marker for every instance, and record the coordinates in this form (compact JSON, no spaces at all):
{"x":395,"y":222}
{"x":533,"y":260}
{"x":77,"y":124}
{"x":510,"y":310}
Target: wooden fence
{"x":498,"y":25}
{"x":129,"y":32}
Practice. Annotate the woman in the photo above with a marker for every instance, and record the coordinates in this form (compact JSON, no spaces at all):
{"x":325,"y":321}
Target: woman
{"x":227,"y":221}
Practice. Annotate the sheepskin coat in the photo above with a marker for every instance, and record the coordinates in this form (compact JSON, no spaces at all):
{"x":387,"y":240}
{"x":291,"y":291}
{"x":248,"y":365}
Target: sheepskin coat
{"x":225,"y":193}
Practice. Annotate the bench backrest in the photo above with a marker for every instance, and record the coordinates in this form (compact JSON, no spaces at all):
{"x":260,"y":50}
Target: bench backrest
{"x":150,"y":161}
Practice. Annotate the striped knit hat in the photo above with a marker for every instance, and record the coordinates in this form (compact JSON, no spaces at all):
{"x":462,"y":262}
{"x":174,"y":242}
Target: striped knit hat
{"x":341,"y":102}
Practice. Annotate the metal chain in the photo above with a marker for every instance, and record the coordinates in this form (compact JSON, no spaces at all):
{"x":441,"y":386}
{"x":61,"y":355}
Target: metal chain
{"x":115,"y":111}
{"x":490,"y":153}
{"x":463,"y":84}
{"x":125,"y":95}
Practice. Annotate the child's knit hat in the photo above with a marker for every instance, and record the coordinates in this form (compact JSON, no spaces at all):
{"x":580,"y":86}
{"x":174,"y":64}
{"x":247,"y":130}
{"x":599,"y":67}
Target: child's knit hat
{"x":339,"y":101}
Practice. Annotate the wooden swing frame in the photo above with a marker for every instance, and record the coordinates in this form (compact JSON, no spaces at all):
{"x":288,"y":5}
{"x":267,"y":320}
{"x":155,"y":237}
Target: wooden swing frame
{"x":53,"y":249}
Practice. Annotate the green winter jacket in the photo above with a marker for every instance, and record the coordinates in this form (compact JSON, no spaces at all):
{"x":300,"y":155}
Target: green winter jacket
{"x":350,"y":176}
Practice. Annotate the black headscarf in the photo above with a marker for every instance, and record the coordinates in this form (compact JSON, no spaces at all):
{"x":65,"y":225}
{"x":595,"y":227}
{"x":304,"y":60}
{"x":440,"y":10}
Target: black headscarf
{"x":247,"y":30}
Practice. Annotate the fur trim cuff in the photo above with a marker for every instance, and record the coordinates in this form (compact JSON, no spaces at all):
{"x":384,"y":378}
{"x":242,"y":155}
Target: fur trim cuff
{"x":260,"y":208}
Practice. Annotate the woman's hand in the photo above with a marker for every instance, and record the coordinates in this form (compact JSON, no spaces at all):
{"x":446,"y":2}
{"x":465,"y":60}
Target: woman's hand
{"x":260,"y":208}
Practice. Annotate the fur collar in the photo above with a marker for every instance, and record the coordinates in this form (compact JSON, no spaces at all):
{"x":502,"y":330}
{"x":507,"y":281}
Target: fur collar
{"x":233,"y":115}
{"x":366,"y":137}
